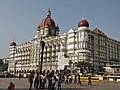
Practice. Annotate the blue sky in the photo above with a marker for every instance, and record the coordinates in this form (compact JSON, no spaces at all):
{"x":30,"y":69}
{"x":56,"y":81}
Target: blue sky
{"x":19,"y":18}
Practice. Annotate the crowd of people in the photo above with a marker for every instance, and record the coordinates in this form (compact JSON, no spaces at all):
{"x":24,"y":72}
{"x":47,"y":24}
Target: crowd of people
{"x":53,"y":81}
{"x":39,"y":80}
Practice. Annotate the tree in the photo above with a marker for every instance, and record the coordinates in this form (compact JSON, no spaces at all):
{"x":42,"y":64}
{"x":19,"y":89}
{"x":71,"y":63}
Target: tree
{"x":1,"y":62}
{"x":3,"y":67}
{"x":84,"y":66}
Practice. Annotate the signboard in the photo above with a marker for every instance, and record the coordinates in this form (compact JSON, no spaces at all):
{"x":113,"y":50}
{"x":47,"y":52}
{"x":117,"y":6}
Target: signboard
{"x":62,"y":61}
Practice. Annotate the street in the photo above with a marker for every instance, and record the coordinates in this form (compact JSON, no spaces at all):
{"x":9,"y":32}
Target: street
{"x":23,"y":84}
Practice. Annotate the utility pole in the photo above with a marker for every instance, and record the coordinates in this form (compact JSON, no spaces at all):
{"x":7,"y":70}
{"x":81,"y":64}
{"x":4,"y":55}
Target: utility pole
{"x":42,"y":45}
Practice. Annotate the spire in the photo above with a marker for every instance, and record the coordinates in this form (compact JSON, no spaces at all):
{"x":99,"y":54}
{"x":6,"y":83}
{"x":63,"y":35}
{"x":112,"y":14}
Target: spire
{"x":57,"y":27}
{"x":83,"y":18}
{"x":13,"y":39}
{"x":49,"y":13}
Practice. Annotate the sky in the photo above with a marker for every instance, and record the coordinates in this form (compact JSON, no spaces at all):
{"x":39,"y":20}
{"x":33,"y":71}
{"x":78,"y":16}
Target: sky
{"x":20,"y":18}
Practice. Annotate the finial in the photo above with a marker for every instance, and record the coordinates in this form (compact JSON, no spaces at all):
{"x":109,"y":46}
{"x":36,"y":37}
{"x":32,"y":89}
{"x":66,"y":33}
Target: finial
{"x":57,"y":27}
{"x":83,"y":18}
{"x":49,"y":13}
{"x":13,"y":39}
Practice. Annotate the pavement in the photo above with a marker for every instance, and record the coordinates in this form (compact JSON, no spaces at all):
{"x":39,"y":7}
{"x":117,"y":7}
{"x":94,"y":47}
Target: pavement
{"x":23,"y":84}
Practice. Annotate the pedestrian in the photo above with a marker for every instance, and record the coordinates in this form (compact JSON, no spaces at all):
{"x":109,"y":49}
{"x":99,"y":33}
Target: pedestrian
{"x":20,"y":76}
{"x":67,"y":78}
{"x":89,"y":80}
{"x":30,"y":79}
{"x":49,"y":81}
{"x":53,"y":81}
{"x":75,"y":77}
{"x":63,"y":79}
{"x":70,"y":78}
{"x":11,"y":86}
{"x":79,"y":81}
{"x":39,"y":78}
{"x":36,"y":81}
{"x":43,"y":81}
{"x":58,"y":82}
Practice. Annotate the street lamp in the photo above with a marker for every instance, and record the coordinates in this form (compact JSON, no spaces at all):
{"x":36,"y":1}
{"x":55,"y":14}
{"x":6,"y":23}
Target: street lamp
{"x":42,"y":45}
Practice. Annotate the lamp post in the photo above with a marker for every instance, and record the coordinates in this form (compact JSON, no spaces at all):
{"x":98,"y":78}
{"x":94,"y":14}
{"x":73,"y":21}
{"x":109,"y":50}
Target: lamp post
{"x":42,"y":45}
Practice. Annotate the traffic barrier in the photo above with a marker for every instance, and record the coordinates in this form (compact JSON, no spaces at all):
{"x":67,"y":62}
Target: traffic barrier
{"x":111,"y":78}
{"x":101,"y":78}
{"x":93,"y":79}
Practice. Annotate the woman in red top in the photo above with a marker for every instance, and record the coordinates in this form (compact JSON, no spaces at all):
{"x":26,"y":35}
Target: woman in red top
{"x":11,"y":86}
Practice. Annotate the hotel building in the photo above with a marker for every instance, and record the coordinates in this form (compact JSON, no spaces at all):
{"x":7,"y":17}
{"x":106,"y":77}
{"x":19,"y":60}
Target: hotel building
{"x":82,"y":44}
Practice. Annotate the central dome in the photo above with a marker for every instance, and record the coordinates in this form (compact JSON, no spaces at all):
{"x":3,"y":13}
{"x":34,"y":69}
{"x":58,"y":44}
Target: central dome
{"x":83,"y":23}
{"x":48,"y":21}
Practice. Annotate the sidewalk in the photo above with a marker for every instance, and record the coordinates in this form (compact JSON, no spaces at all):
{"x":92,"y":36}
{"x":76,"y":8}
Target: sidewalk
{"x":24,"y":85}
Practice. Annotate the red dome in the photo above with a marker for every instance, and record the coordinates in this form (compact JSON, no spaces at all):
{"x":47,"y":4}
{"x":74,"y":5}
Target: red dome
{"x":83,"y":23}
{"x":47,"y":21}
{"x":13,"y":44}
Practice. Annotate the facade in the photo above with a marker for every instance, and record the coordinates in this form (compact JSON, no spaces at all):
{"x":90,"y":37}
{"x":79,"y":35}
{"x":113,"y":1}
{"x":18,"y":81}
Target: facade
{"x":5,"y":60}
{"x":82,"y":44}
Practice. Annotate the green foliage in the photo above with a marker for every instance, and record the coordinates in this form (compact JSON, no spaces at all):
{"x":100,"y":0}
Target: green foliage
{"x":83,"y":66}
{"x":1,"y":62}
{"x":3,"y":67}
